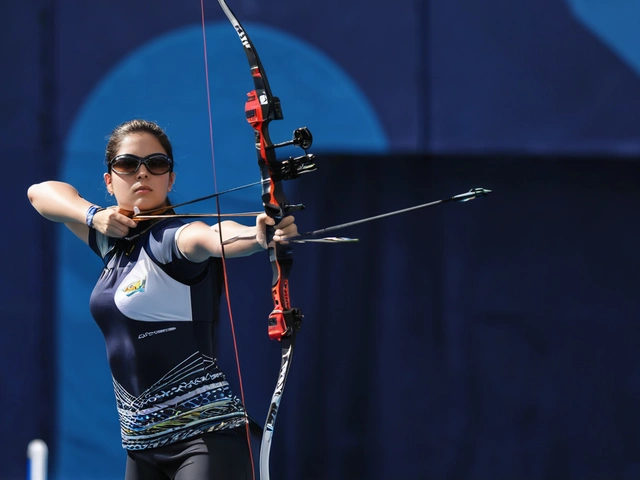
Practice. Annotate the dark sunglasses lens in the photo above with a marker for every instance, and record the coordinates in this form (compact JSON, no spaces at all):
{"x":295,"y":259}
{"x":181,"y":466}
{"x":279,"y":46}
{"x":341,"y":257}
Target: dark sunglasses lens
{"x":125,"y":165}
{"x":158,"y":164}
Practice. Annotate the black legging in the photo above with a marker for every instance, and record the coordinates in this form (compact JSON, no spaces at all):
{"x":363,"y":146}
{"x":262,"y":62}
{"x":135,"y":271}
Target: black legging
{"x":212,"y":456}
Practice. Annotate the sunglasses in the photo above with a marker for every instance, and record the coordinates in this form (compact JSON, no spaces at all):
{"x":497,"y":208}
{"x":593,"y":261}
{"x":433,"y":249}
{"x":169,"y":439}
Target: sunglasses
{"x":128,"y":164}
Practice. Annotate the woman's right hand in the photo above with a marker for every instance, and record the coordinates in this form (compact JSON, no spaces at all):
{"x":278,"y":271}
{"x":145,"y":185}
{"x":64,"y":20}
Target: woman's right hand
{"x":112,"y":223}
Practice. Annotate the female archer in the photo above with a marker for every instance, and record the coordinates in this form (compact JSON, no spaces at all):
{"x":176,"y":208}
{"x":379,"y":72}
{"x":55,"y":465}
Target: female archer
{"x":155,"y":302}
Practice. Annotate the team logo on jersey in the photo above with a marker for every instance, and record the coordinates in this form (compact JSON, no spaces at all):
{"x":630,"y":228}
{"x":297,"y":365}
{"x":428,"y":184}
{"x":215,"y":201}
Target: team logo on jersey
{"x":135,"y":287}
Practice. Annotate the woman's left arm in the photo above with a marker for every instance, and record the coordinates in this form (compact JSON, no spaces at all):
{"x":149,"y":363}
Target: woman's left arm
{"x":199,"y":241}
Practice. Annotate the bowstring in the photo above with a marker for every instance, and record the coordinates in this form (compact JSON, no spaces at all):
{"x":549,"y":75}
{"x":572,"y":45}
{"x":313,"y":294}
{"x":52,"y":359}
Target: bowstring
{"x":223,"y":257}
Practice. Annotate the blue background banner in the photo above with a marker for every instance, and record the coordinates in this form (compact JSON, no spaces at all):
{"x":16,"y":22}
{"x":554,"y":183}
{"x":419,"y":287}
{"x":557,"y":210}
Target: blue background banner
{"x":494,"y":339}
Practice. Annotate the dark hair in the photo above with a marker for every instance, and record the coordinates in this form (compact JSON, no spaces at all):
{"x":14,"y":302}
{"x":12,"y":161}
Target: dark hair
{"x":135,"y":126}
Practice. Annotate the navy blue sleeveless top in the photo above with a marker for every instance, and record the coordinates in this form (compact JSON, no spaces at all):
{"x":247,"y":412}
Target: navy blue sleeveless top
{"x":156,"y":310}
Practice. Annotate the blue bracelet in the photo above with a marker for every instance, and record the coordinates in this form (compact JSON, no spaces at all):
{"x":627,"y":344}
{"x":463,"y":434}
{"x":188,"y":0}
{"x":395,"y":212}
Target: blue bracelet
{"x":93,"y":209}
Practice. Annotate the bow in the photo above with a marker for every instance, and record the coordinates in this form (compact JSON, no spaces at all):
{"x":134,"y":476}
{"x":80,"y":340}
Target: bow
{"x":284,"y":321}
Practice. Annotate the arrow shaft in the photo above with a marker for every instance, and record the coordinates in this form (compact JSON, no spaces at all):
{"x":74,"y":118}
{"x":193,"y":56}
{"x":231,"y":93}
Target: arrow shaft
{"x":371,"y":219}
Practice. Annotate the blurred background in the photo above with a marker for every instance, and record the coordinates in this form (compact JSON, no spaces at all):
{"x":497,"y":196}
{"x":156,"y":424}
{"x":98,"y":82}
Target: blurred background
{"x":495,"y":339}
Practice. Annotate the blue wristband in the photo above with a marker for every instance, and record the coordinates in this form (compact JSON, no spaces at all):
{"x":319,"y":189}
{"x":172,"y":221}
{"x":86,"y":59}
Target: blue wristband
{"x":93,"y":209}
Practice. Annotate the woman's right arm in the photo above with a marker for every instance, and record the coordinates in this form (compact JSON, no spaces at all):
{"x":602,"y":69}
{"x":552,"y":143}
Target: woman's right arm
{"x":60,"y":202}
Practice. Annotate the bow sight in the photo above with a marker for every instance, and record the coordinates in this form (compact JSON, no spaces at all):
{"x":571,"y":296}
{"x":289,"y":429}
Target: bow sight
{"x":293,"y":167}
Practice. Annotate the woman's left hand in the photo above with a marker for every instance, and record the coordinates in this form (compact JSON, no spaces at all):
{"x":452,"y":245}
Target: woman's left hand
{"x":283,"y":231}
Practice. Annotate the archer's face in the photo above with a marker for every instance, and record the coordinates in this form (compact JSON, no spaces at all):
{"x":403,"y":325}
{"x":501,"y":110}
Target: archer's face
{"x":140,"y":189}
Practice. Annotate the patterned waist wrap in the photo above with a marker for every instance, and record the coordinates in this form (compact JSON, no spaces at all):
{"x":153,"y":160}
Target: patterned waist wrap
{"x":182,"y":404}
